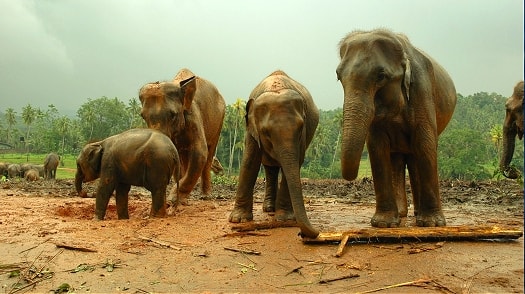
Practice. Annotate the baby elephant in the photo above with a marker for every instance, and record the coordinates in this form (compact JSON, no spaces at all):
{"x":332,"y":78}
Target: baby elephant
{"x":138,"y":157}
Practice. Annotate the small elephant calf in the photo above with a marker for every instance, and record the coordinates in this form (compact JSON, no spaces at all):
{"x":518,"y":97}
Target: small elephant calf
{"x":138,"y":157}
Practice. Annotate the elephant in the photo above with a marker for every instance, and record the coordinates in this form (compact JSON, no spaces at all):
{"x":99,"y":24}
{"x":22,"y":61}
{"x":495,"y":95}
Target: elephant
{"x":138,"y":157}
{"x":190,"y":110}
{"x":216,"y":166}
{"x":399,"y":100}
{"x":13,"y":170}
{"x":281,"y":119}
{"x":512,"y":127}
{"x":50,"y":166}
{"x":31,"y":175}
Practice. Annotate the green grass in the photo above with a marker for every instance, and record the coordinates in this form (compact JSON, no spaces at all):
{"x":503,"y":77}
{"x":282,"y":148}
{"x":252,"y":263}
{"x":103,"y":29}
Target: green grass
{"x":66,"y":168}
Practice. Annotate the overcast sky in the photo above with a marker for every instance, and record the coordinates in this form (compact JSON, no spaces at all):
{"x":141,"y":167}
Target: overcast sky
{"x":63,"y":52}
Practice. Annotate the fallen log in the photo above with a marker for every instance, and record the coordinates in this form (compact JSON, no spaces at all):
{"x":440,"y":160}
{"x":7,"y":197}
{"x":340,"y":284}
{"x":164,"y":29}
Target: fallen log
{"x":253,"y":226}
{"x":390,"y":235}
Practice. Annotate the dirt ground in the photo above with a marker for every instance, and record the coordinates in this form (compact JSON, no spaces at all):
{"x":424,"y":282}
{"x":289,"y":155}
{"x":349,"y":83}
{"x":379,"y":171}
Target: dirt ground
{"x":50,"y":239}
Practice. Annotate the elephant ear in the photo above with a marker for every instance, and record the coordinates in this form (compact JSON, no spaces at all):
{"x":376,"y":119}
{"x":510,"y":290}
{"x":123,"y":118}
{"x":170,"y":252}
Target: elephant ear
{"x":251,"y":128}
{"x":94,"y":156}
{"x":406,"y":78}
{"x":188,"y":88}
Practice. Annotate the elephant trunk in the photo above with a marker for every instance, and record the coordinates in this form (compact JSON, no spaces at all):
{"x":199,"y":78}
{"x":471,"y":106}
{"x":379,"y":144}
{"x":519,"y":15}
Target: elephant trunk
{"x":509,"y":139}
{"x":357,"y":116}
{"x":79,"y":178}
{"x":291,"y":169}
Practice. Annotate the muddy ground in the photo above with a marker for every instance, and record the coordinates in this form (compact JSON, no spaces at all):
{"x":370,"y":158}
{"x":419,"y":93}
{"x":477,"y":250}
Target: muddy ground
{"x":49,"y":242}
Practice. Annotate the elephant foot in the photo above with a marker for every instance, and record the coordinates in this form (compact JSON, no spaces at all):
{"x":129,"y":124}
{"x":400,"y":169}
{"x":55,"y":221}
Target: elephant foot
{"x":240,"y":215}
{"x":385,"y":219}
{"x":268,"y":207}
{"x":284,"y":215}
{"x":436,"y":219}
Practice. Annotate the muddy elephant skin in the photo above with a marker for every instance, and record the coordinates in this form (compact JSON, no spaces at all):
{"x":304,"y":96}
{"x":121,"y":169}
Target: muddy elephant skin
{"x":13,"y":170}
{"x":281,"y":119}
{"x":190,"y":110}
{"x":512,"y":127}
{"x":50,"y":166}
{"x":398,"y":100}
{"x":138,"y":157}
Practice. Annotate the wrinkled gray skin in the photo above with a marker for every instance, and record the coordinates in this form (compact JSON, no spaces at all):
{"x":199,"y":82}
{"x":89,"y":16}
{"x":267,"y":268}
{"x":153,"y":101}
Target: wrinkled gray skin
{"x":398,"y":100}
{"x":13,"y":170}
{"x":50,"y":166}
{"x":281,"y":119}
{"x":138,"y":157}
{"x":512,"y":127}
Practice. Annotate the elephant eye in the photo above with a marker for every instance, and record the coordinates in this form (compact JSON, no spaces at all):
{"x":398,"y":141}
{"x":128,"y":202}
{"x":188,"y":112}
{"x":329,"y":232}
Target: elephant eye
{"x":381,"y":76}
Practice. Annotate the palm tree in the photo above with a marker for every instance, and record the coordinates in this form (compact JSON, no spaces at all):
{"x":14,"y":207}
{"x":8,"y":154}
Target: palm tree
{"x":10,"y":116}
{"x":28,"y":115}
{"x":238,"y":114}
{"x":63,"y":124}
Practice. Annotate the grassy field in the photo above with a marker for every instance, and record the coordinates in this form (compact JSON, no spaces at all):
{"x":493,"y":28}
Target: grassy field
{"x":68,"y":166}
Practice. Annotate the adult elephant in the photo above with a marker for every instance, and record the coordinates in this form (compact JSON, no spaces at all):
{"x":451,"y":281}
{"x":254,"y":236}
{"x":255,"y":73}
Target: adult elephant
{"x":190,"y":110}
{"x":512,"y":127}
{"x":281,"y":119}
{"x":398,"y":100}
{"x":50,"y":165}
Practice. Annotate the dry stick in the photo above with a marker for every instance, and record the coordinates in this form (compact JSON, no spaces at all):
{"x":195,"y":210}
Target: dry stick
{"x":162,"y":243}
{"x":45,"y":277}
{"x":398,"y":285}
{"x":243,"y":251}
{"x":247,"y":266}
{"x":325,"y":281}
{"x":342,"y":246}
{"x":72,"y":247}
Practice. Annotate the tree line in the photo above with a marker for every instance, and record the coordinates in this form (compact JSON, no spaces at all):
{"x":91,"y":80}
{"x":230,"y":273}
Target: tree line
{"x":469,"y":148}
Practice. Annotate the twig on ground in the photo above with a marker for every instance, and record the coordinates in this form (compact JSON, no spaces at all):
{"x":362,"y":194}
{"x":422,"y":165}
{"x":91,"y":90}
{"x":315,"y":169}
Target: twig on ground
{"x":412,"y":283}
{"x":326,"y":281}
{"x":424,"y":249}
{"x":73,"y":247}
{"x":296,"y":270}
{"x":243,"y":251}
{"x":161,"y":243}
{"x":252,"y":267}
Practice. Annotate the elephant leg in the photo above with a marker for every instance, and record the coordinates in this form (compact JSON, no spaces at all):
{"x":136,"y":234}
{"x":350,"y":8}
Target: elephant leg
{"x":270,"y":189}
{"x":398,"y":183}
{"x":386,"y":214}
{"x":251,"y":163}
{"x":158,"y":202}
{"x":283,"y":206}
{"x":194,"y":165}
{"x":429,"y":212}
{"x":121,"y":199}
{"x":104,"y":191}
{"x":206,"y":176}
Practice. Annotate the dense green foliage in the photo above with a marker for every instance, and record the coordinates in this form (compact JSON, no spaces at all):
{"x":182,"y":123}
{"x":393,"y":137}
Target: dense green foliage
{"x":469,"y":148}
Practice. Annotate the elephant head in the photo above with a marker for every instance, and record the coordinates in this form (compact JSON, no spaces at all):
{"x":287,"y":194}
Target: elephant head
{"x":88,"y":164}
{"x":164,"y":105}
{"x":375,"y":73}
{"x":512,"y":127}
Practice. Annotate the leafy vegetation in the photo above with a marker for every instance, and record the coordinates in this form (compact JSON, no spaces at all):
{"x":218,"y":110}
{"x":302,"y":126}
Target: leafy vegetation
{"x":469,"y":148}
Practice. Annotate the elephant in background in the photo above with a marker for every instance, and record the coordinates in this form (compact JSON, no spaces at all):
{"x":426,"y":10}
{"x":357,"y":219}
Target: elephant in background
{"x":138,"y":157}
{"x":512,"y":127}
{"x":3,"y":169}
{"x":398,"y":100}
{"x":31,"y":175}
{"x":50,"y":165}
{"x":27,"y":166}
{"x":13,"y":170}
{"x":190,"y":110}
{"x":281,"y":119}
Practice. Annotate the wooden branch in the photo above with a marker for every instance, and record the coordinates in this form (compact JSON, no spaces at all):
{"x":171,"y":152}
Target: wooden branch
{"x":161,"y":243}
{"x":385,"y":235}
{"x":326,"y":281}
{"x":253,"y":226}
{"x":73,"y":247}
{"x":342,"y":245}
{"x":243,"y":251}
{"x":412,"y":283}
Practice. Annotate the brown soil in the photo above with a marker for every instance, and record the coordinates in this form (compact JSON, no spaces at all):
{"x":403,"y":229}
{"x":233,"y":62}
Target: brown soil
{"x":47,"y":231}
